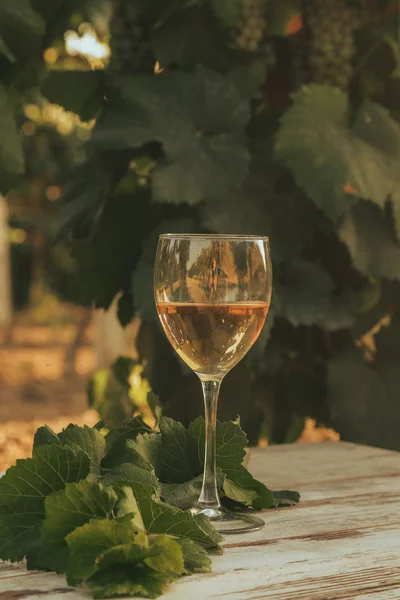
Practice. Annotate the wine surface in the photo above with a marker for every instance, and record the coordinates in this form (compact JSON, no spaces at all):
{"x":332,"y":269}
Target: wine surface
{"x":212,"y":338}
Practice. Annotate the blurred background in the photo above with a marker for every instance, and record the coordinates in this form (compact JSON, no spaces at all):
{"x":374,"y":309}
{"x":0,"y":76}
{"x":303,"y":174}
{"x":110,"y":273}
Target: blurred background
{"x":123,"y":119}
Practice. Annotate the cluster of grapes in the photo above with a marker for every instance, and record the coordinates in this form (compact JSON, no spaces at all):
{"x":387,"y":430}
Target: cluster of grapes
{"x":326,"y":45}
{"x":130,"y":41}
{"x":249,"y":33}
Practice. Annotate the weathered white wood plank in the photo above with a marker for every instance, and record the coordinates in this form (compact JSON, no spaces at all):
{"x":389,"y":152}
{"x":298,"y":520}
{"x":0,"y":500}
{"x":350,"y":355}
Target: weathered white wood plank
{"x":341,"y":543}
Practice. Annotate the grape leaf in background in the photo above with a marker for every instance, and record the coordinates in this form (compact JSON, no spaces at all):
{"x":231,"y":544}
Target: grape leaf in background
{"x":66,"y":510}
{"x":197,"y":117}
{"x":370,"y":238}
{"x":360,"y":160}
{"x":23,"y":491}
{"x":304,"y":295}
{"x":81,"y":92}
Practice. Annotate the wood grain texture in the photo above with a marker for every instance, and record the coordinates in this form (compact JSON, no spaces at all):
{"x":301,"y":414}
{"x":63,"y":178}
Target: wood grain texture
{"x":341,"y":543}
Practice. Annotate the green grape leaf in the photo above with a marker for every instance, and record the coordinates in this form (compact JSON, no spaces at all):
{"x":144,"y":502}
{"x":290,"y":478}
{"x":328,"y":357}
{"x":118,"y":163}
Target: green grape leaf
{"x":189,"y":38}
{"x":361,"y":159}
{"x":45,"y":436}
{"x":135,"y":569}
{"x":241,"y":487}
{"x":12,"y":161}
{"x":370,"y":239}
{"x":87,"y":439}
{"x":66,"y":510}
{"x":286,"y":498}
{"x":81,"y":92}
{"x":127,"y":505}
{"x":304,"y":295}
{"x":160,"y":517}
{"x":195,"y":557}
{"x":131,"y":475}
{"x":23,"y":491}
{"x":117,"y":438}
{"x":184,"y":495}
{"x":89,"y":541}
{"x":189,"y":172}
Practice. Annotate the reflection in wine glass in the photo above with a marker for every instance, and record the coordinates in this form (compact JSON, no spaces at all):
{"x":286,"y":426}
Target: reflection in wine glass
{"x":212,"y":294}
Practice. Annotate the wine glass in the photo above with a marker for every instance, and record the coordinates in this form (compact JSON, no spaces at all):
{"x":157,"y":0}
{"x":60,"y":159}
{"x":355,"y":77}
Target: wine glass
{"x":212,"y":294}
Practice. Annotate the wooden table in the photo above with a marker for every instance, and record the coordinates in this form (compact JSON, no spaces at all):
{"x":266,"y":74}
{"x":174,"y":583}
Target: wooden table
{"x":342,"y":542}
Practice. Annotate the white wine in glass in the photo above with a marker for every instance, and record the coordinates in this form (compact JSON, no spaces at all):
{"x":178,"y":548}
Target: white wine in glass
{"x":212,"y":294}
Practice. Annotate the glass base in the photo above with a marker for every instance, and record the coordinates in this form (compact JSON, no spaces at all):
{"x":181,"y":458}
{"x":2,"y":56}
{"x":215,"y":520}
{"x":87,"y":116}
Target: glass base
{"x":226,"y":521}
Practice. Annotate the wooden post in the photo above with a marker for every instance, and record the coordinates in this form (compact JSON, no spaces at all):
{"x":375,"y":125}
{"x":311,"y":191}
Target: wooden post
{"x":5,"y":274}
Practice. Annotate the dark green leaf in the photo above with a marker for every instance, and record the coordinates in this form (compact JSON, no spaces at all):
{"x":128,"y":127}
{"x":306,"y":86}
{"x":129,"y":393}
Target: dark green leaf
{"x":23,"y":491}
{"x":304,"y":295}
{"x":190,"y":38}
{"x":89,"y":440}
{"x":370,"y":238}
{"x":88,"y":542}
{"x":116,"y":440}
{"x":361,"y":160}
{"x":66,"y":510}
{"x":120,"y":581}
{"x":190,"y":171}
{"x":81,"y":92}
{"x":183,"y":495}
{"x":196,"y":559}
{"x":45,"y":436}
{"x":286,"y":498}
{"x":241,"y":487}
{"x":177,"y":458}
{"x":160,"y":517}
{"x":12,"y":162}
{"x":133,"y":476}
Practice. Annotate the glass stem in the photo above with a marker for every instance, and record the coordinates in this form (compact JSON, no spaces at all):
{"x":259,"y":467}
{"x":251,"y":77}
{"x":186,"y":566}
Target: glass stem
{"x":209,"y":498}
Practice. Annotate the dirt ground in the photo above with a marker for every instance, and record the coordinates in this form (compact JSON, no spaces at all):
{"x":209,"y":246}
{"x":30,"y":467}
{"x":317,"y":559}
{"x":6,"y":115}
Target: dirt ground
{"x":33,"y":389}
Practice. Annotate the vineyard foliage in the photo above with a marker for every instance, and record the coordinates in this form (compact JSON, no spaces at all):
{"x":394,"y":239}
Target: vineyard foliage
{"x":240,"y":116}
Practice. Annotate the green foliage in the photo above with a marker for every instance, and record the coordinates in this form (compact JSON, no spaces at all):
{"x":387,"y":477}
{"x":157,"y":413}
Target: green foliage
{"x":23,"y":491}
{"x":212,"y":141}
{"x":177,"y":455}
{"x":107,"y":526}
{"x":66,"y":510}
{"x":188,"y":172}
{"x":361,"y":159}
